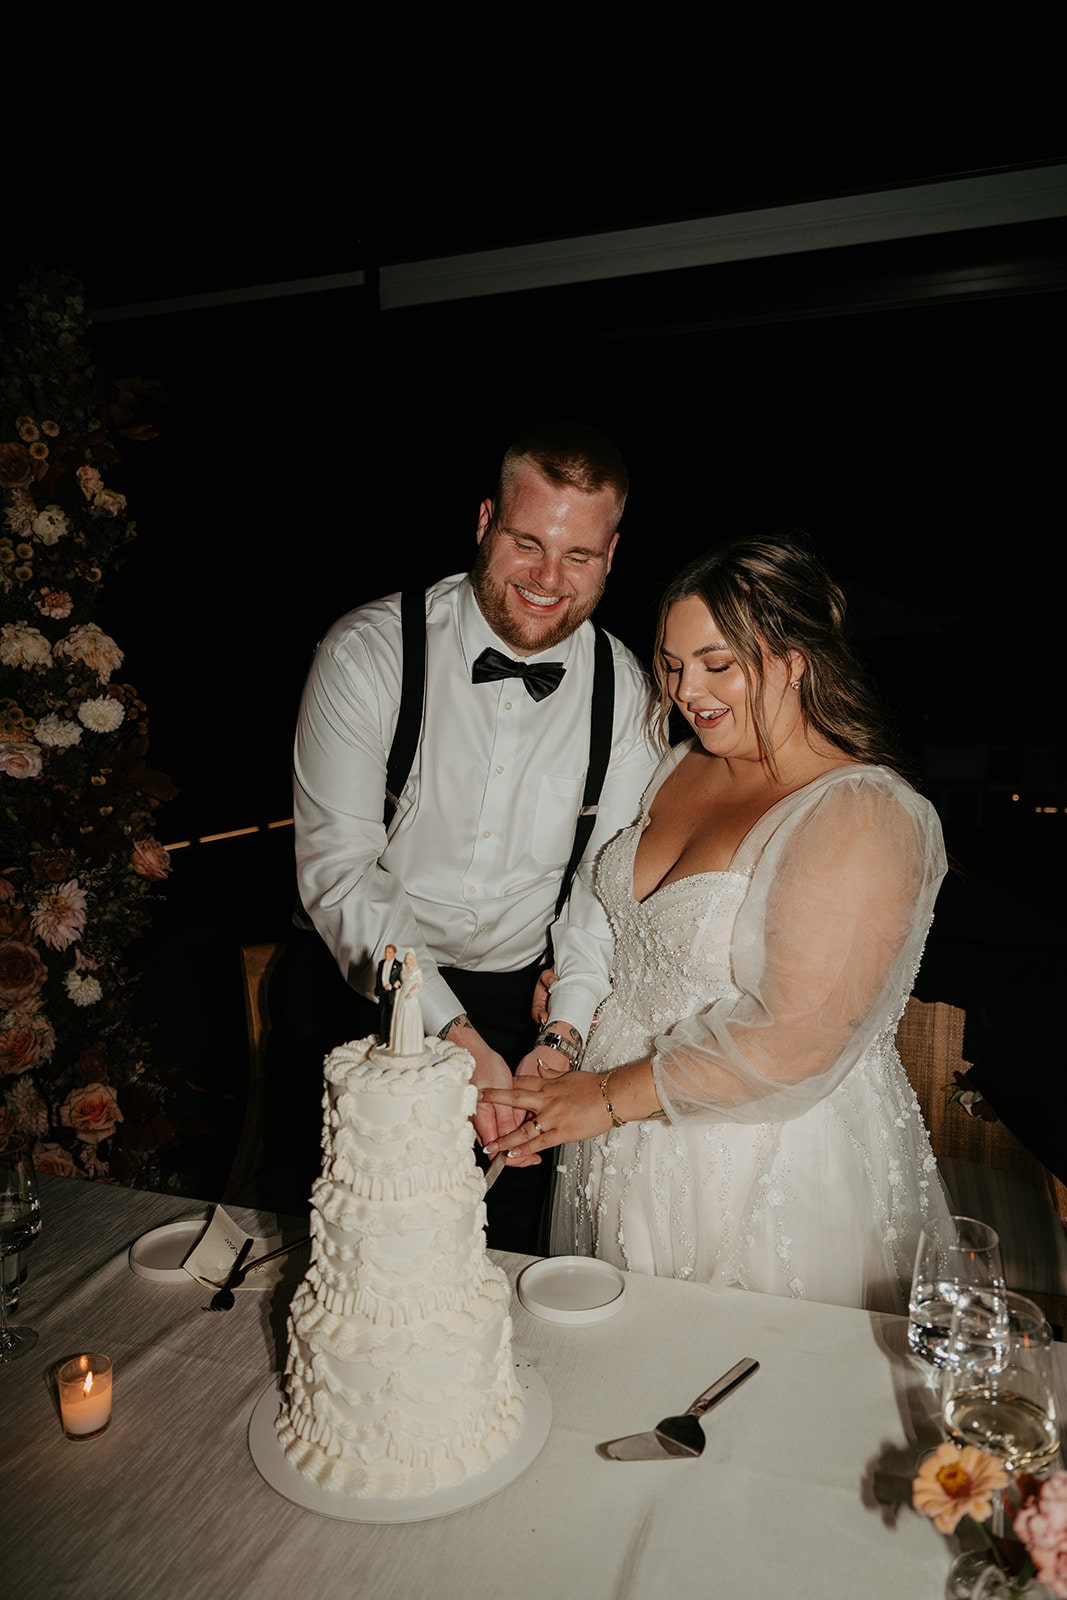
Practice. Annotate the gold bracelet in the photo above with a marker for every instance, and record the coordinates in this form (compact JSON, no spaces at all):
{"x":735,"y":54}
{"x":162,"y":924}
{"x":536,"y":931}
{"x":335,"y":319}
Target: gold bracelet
{"x":616,"y":1122}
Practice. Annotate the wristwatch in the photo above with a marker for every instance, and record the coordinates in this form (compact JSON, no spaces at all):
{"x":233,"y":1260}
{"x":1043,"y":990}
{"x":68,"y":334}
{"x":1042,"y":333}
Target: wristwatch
{"x":548,"y":1040}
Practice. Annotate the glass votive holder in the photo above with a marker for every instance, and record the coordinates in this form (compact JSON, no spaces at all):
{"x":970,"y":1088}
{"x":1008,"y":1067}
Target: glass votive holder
{"x":85,"y":1396}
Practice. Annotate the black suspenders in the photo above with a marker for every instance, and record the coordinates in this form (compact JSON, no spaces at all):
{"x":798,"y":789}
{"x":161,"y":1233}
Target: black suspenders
{"x":409,"y":726}
{"x":599,"y":752}
{"x":412,"y":690}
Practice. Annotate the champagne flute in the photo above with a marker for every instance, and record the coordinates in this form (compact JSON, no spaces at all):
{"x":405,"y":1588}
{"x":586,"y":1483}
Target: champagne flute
{"x":20,"y":1223}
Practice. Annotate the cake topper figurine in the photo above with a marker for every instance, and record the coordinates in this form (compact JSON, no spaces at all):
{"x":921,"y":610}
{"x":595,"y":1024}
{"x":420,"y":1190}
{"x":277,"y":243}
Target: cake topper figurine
{"x":406,"y":1036}
{"x":386,"y":983}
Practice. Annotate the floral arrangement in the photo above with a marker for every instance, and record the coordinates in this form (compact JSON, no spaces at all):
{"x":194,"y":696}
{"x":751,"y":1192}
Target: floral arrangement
{"x":961,"y":1481}
{"x":79,"y":861}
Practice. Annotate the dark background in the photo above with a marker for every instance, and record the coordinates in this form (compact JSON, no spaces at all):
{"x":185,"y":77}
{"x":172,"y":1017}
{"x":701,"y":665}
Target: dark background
{"x":900,"y":399}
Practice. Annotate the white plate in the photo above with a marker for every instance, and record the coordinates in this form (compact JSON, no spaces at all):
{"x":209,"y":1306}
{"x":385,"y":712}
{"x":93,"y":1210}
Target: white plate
{"x":571,"y":1289}
{"x":159,"y":1255}
{"x":272,"y":1462}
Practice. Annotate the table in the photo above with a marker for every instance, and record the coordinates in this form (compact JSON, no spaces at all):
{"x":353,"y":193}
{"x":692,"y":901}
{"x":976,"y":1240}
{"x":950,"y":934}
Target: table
{"x":801,"y":1491}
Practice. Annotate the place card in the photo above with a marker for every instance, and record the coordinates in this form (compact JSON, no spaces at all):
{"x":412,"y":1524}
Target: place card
{"x":212,"y":1258}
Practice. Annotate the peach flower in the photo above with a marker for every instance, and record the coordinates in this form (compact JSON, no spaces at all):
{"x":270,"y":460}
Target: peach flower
{"x":22,"y":972}
{"x":92,"y":647}
{"x":20,"y":760}
{"x":27,"y":1110}
{"x":109,"y":502}
{"x":19,"y":1049}
{"x":59,"y":915}
{"x":150,"y":860}
{"x":54,"y":1159}
{"x":55,"y":603}
{"x":954,"y":1483}
{"x":93,"y":1112}
{"x":16,"y":466}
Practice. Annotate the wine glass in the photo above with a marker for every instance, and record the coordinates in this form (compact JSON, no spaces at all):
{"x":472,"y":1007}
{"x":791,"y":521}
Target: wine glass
{"x":20,"y":1223}
{"x":997,"y":1391}
{"x":953,"y":1254}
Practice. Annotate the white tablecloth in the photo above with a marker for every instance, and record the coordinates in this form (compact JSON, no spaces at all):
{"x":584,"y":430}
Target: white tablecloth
{"x":801,"y":1491}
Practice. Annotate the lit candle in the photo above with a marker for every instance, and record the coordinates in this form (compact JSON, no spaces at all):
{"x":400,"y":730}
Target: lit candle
{"x":85,"y":1396}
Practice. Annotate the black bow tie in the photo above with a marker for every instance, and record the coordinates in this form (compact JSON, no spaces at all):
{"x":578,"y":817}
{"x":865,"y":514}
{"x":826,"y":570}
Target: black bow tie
{"x":541,"y":677}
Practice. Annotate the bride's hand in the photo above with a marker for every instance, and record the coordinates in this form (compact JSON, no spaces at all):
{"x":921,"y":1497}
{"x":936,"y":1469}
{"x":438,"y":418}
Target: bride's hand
{"x":571,"y":1107}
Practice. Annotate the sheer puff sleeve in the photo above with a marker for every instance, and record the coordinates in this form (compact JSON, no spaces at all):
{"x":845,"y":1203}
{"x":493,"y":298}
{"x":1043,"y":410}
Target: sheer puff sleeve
{"x":843,"y":877}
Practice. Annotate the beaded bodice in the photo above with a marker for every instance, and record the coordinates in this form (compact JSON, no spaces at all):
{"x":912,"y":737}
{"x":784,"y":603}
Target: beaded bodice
{"x":672,"y":950}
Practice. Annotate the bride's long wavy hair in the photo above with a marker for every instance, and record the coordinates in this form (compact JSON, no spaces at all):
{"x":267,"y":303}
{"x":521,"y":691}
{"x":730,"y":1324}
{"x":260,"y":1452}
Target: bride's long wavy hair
{"x":774,"y":591}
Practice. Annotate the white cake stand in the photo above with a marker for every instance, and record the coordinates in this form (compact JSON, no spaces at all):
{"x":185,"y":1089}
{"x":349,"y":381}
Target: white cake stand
{"x":274,"y":1465}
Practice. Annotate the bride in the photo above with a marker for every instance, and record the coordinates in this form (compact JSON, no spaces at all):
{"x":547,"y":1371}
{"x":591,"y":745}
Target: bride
{"x":742,"y":1117}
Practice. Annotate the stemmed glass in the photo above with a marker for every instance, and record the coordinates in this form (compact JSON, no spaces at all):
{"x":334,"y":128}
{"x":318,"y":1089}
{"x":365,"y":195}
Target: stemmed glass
{"x":20,"y":1223}
{"x":954,"y":1253}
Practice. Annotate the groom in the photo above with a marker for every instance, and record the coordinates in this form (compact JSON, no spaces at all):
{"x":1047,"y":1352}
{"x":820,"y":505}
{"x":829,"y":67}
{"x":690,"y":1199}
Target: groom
{"x":386,"y":983}
{"x":468,"y":868}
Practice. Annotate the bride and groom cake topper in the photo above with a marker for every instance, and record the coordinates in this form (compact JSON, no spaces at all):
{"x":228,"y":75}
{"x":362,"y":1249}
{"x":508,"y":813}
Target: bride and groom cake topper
{"x":398,"y":985}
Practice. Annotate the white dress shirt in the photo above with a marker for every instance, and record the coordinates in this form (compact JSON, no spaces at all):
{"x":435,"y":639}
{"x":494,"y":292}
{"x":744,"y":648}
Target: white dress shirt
{"x":470,"y":870}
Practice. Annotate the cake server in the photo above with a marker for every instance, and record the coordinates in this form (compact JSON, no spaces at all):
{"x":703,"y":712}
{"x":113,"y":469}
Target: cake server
{"x":678,"y":1437}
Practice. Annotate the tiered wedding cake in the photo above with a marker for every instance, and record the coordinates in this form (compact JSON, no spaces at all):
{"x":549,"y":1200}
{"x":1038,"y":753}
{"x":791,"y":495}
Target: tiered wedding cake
{"x":400,"y":1379}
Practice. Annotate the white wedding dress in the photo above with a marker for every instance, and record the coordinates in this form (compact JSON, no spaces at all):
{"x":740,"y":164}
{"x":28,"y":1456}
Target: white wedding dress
{"x":795,"y":1160}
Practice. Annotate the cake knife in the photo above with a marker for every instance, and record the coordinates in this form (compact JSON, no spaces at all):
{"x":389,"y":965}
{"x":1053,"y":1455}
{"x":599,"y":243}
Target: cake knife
{"x":495,"y":1168}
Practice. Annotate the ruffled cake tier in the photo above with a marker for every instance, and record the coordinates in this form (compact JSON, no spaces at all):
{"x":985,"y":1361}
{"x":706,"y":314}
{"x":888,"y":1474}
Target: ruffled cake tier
{"x":400,"y":1378}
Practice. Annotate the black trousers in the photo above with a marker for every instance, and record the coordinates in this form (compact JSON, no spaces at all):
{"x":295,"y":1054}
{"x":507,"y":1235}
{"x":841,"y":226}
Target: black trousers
{"x":312,"y":1009}
{"x":498,"y":1003}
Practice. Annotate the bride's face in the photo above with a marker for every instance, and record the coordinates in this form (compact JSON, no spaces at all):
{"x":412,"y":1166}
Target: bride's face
{"x":708,"y":685}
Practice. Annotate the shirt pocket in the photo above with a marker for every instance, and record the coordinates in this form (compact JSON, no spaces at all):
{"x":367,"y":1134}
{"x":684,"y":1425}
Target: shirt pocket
{"x":558,"y":801}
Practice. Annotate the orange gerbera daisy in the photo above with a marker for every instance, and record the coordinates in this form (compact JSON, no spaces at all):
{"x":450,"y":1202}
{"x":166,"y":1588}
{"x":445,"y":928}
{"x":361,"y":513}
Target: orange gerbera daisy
{"x":953,"y":1483}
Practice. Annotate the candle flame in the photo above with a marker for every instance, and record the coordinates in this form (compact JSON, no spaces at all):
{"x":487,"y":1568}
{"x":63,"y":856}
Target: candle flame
{"x":87,"y":1385}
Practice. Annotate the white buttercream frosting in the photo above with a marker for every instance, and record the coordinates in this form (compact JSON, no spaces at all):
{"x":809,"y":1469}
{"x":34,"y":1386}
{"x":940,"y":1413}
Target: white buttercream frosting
{"x":400,"y":1378}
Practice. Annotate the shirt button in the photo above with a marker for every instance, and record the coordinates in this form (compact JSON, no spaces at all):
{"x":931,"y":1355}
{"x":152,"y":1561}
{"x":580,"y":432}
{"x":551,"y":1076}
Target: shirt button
{"x":471,"y":889}
{"x":507,"y":705}
{"x":499,"y":769}
{"x":487,"y":834}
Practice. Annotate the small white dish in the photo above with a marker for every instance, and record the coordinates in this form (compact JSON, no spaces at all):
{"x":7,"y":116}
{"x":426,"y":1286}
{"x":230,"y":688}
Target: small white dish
{"x":158,"y":1255}
{"x":571,"y":1289}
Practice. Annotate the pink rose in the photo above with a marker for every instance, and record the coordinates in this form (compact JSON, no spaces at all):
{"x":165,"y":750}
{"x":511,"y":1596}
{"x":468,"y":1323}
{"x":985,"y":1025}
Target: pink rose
{"x":89,"y":480}
{"x":92,"y":1112}
{"x":22,"y":972}
{"x":16,"y":466}
{"x":19,"y":1049}
{"x":149,"y":860}
{"x":20,"y":760}
{"x":54,"y":1159}
{"x":1042,"y":1526}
